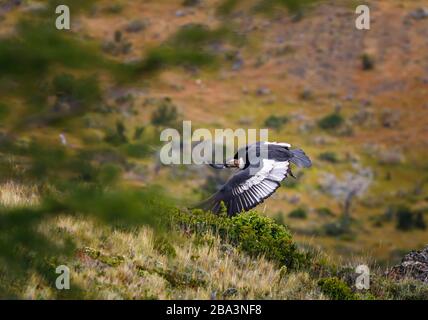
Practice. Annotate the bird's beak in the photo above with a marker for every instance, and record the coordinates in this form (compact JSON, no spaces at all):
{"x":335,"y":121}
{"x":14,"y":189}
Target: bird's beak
{"x":231,"y":164}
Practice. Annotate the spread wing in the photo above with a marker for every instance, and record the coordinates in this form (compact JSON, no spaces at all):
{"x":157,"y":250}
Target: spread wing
{"x":244,"y":190}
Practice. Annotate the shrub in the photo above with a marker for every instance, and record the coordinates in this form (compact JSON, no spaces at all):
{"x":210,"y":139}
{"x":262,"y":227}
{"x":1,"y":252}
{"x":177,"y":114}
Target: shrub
{"x":406,"y":289}
{"x":293,"y":6}
{"x":298,"y":213}
{"x":138,"y":132}
{"x":163,"y":246}
{"x":408,"y":220}
{"x":164,"y":57}
{"x":165,"y":115}
{"x":328,"y":157}
{"x":190,"y":3}
{"x":331,"y":121}
{"x":420,"y":221}
{"x":189,"y":47}
{"x":137,"y":150}
{"x":226,"y":7}
{"x":367,"y":62}
{"x":83,"y":90}
{"x":325,"y":212}
{"x":198,"y":36}
{"x":275,"y":122}
{"x":333,"y":229}
{"x":404,"y":219}
{"x":118,"y":136}
{"x":250,"y":232}
{"x":336,"y":289}
{"x":279,"y":218}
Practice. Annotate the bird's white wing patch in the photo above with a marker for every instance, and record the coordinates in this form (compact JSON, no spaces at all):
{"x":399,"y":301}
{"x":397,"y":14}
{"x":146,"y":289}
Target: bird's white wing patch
{"x":251,"y":190}
{"x":260,"y":186}
{"x":283,"y":144}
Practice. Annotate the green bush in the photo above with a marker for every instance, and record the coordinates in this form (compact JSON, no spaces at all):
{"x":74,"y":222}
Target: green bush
{"x":405,"y":289}
{"x":279,"y":218}
{"x":293,"y":6}
{"x":331,"y":121}
{"x":329,"y":157}
{"x":227,"y":6}
{"x":408,"y":220}
{"x":275,"y":122}
{"x":84,"y":90}
{"x":118,"y":136}
{"x":404,"y":218}
{"x":198,"y":36}
{"x":336,"y":289}
{"x":165,"y":115}
{"x":298,"y":213}
{"x":333,"y":229}
{"x":419,"y":222}
{"x":367,"y":62}
{"x":163,"y":57}
{"x":138,"y":132}
{"x":190,"y":3}
{"x":163,"y":246}
{"x":251,"y":233}
{"x":326,"y":212}
{"x":137,"y":150}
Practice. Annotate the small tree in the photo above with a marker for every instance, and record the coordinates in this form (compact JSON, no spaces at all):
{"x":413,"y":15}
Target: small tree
{"x":347,"y":189}
{"x":165,"y":115}
{"x":276,"y":122}
{"x":331,"y":121}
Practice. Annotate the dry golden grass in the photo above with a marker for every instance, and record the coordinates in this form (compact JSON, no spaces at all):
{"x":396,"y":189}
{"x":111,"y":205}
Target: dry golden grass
{"x":208,"y":270}
{"x":13,"y":194}
{"x":117,"y":264}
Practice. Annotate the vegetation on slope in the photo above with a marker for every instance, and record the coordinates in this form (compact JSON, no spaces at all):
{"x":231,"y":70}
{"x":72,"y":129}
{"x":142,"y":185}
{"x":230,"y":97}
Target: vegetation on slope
{"x":74,"y":139}
{"x":114,"y":251}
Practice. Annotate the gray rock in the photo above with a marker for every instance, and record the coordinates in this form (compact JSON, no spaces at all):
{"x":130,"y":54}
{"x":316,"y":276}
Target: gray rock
{"x":8,"y":5}
{"x":414,"y":265}
{"x":419,"y":13}
{"x":263,"y":91}
{"x":390,"y":118}
{"x":237,"y":64}
{"x":136,"y":26}
{"x":390,"y":157}
{"x":180,"y":13}
{"x":230,"y":292}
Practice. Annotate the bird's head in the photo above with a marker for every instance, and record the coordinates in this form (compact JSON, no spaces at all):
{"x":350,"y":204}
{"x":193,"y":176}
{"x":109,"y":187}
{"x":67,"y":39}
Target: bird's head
{"x":235,"y":163}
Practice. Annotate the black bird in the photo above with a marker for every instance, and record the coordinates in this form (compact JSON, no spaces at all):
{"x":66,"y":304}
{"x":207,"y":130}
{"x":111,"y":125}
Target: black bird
{"x":262,"y":166}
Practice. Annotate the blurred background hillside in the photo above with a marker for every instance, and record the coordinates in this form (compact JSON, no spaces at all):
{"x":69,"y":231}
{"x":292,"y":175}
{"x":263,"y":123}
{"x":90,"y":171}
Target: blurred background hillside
{"x":81,"y":111}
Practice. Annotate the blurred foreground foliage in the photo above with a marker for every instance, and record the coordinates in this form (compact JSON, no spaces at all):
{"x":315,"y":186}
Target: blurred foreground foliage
{"x":26,"y":251}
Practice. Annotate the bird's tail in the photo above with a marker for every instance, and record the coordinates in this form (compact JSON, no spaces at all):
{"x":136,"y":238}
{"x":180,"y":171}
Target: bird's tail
{"x":300,"y":158}
{"x":211,"y":204}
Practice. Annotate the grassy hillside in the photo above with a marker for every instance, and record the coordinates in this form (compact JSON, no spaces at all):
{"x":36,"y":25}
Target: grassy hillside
{"x":80,"y":116}
{"x":191,"y":255}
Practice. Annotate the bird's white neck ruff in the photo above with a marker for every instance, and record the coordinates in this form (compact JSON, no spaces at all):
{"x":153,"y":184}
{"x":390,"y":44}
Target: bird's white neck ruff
{"x":241,"y":163}
{"x":280,"y":144}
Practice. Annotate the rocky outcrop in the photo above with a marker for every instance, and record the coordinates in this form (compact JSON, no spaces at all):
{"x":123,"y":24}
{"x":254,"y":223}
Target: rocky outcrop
{"x":414,"y":265}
